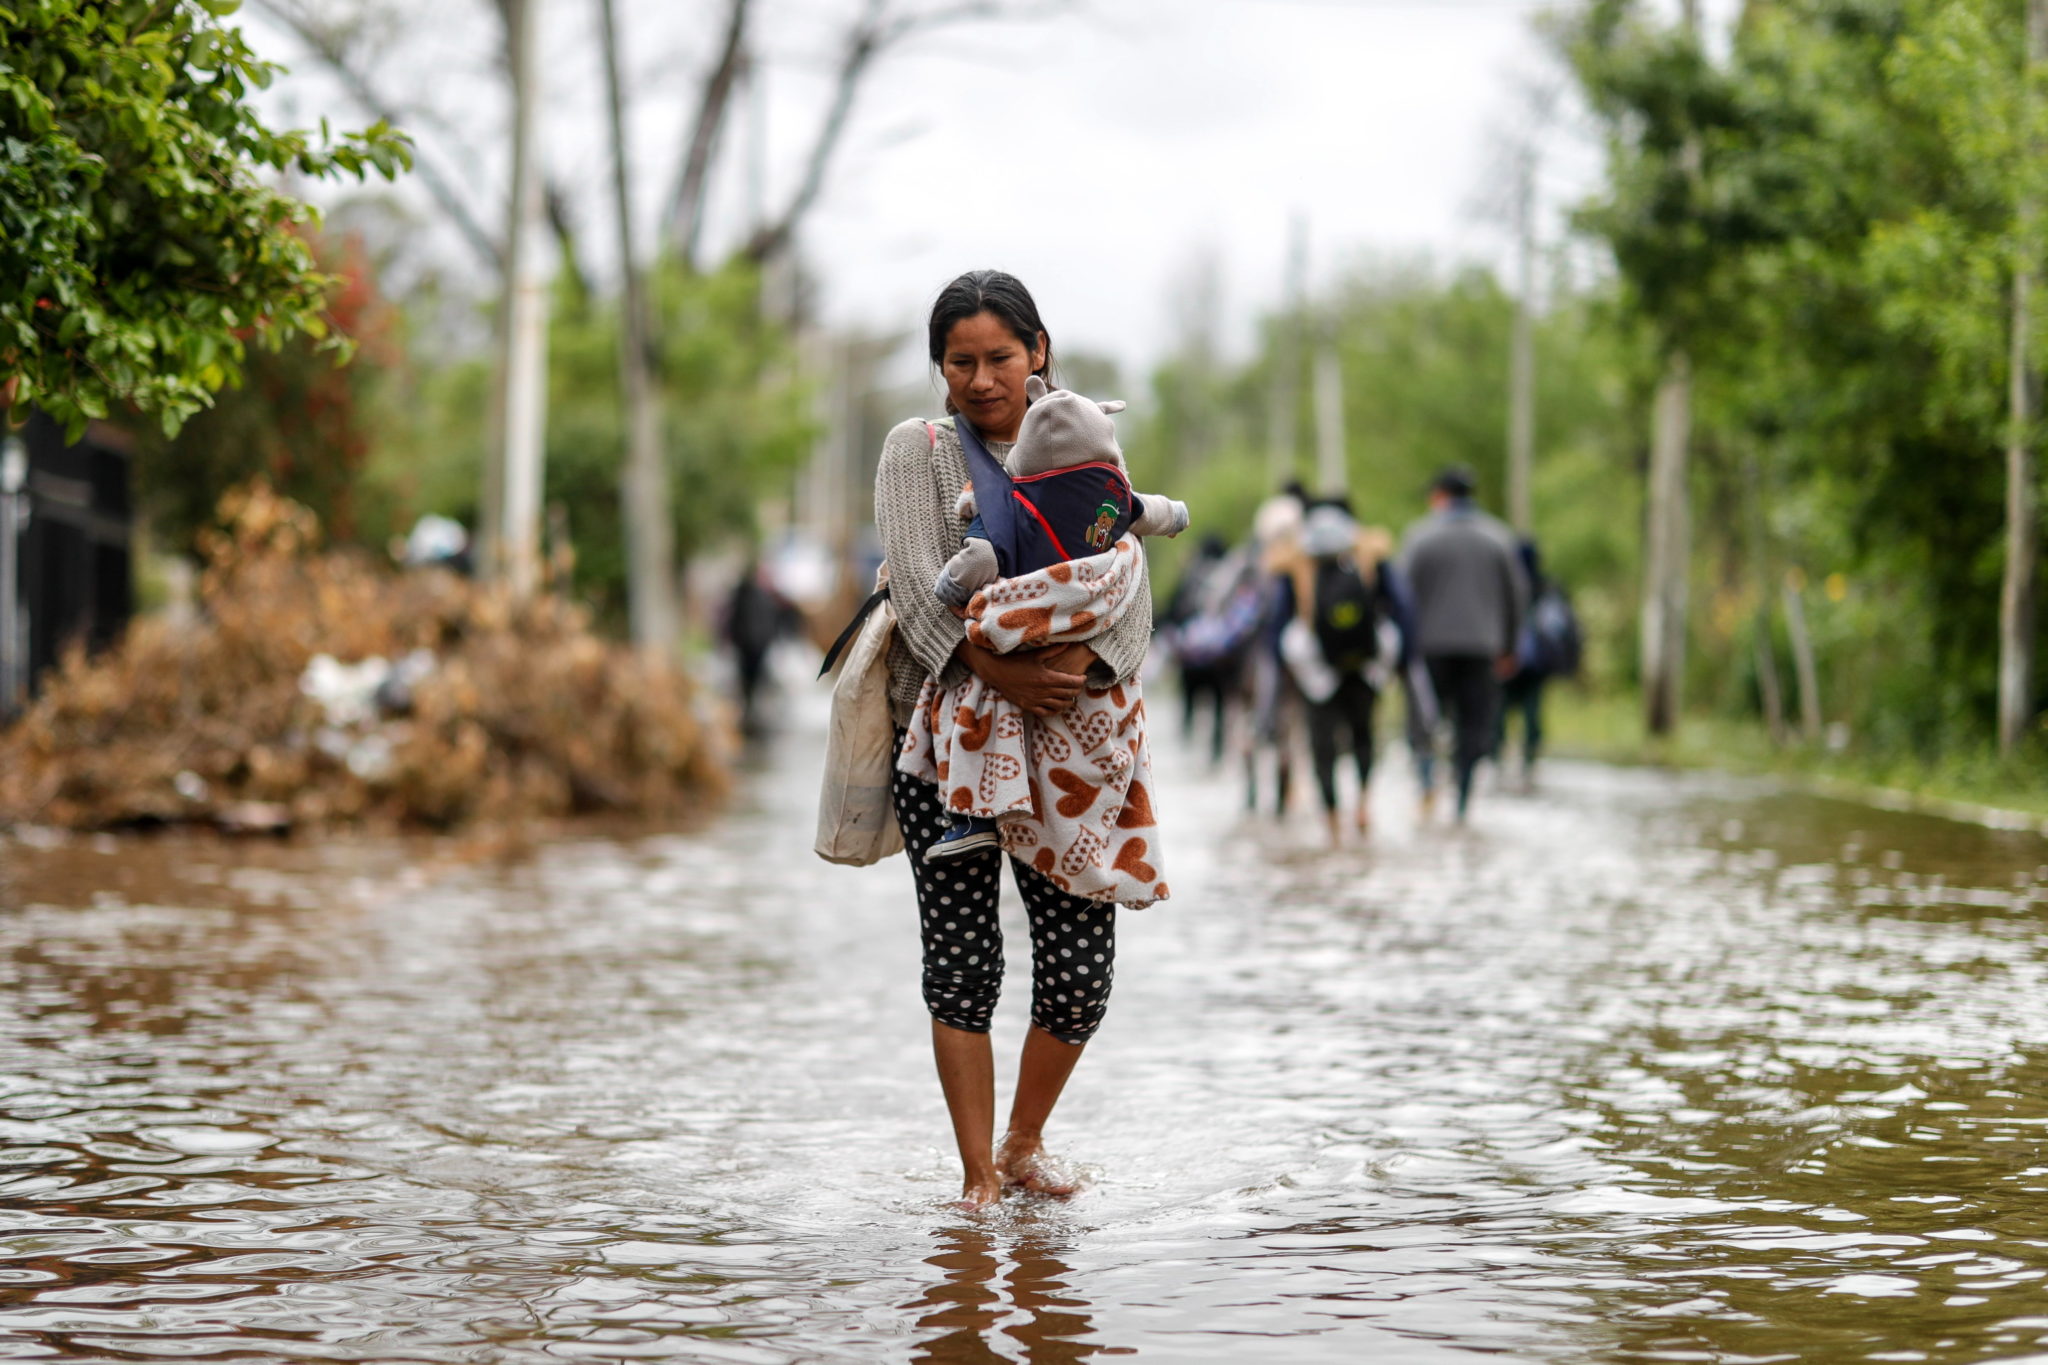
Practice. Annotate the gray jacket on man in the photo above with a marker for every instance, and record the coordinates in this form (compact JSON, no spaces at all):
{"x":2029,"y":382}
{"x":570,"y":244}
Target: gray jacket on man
{"x":1465,"y":575}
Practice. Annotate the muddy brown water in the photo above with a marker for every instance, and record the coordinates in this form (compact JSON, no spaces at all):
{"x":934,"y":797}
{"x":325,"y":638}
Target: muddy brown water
{"x":1643,"y":1068}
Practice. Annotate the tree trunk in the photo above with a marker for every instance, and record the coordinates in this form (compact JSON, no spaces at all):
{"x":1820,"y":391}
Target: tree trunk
{"x":1667,"y":549}
{"x":1802,"y":659}
{"x":1522,"y":359}
{"x":2022,"y":510}
{"x":2022,"y":540}
{"x":1772,"y":694}
{"x":526,"y":310}
{"x":644,"y":489}
{"x":1767,"y":673}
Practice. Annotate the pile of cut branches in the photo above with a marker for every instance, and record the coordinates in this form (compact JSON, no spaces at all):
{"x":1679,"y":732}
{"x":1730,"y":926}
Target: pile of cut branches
{"x":506,"y":710}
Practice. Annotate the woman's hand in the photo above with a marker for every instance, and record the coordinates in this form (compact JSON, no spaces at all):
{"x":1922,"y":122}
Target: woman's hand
{"x":1074,"y":658}
{"x":1028,"y":679}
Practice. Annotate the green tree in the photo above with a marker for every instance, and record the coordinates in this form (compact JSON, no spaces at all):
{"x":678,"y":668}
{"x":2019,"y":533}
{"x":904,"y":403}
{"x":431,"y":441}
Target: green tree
{"x":299,"y":417}
{"x":141,"y":247}
{"x":1842,"y":267}
{"x":736,"y":421}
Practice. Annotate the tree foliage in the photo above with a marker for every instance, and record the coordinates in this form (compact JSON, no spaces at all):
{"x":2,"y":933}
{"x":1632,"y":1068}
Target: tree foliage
{"x":141,"y":245}
{"x":737,"y":423}
{"x":1839,"y":259}
{"x":300,"y":419}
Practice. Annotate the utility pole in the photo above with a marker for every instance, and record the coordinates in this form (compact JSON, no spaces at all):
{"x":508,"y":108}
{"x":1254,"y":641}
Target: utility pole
{"x":2016,"y":600}
{"x":1522,"y":356}
{"x":1332,"y":473}
{"x":1285,"y":398}
{"x":644,"y":489}
{"x":1668,"y":532}
{"x":525,"y":362}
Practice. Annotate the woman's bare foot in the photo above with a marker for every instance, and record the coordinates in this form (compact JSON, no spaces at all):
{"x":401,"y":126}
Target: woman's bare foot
{"x":1023,"y":1163}
{"x":978,"y":1192}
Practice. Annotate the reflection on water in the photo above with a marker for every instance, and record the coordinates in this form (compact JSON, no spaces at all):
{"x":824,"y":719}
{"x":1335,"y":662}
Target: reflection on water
{"x":1649,"y":1069}
{"x":1015,"y":1289}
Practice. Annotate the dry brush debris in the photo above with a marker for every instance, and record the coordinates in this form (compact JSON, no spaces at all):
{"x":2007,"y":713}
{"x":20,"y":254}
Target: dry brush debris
{"x":511,"y":710}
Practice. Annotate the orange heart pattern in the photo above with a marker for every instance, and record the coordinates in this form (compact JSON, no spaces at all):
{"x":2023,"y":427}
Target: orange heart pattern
{"x":1032,"y":626}
{"x":1080,"y":795}
{"x":971,"y":728}
{"x":1131,"y":858}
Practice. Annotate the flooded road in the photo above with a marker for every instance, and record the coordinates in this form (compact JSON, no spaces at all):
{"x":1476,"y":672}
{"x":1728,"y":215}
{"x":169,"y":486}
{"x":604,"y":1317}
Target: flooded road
{"x":1649,"y":1068}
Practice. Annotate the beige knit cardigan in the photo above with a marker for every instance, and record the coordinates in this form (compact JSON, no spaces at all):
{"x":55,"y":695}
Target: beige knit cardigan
{"x":916,"y":488}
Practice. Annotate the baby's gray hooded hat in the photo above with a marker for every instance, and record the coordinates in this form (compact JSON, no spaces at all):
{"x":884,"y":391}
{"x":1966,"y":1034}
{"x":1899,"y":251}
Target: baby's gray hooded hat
{"x":1062,"y":429}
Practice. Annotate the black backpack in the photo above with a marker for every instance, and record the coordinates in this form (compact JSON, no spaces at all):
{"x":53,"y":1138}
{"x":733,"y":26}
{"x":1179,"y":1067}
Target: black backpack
{"x":1555,"y":641}
{"x":1346,"y":615}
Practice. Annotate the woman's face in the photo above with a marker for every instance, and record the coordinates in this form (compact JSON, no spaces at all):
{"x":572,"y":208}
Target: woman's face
{"x":985,"y":368}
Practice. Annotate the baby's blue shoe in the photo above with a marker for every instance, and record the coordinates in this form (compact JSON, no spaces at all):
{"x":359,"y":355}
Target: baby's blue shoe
{"x":970,"y":835}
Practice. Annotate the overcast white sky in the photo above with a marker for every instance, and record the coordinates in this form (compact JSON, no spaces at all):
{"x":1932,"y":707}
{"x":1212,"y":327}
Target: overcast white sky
{"x":1098,"y":153}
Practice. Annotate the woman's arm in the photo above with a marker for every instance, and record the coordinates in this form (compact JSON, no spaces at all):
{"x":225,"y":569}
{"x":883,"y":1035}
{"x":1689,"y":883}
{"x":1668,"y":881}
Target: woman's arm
{"x":919,"y":535}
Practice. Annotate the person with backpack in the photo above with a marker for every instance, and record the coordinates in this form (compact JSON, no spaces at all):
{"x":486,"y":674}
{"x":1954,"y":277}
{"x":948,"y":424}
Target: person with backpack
{"x":1210,"y":623}
{"x":1470,"y":596}
{"x":1343,"y":640}
{"x":1549,"y":647}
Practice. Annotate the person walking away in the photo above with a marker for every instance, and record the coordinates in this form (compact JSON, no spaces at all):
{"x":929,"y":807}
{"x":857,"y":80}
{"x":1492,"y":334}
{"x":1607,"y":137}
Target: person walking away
{"x":1549,"y":647}
{"x":756,"y":616}
{"x":1470,"y":596}
{"x":1271,"y":697}
{"x":1343,"y":643}
{"x":1214,"y":622}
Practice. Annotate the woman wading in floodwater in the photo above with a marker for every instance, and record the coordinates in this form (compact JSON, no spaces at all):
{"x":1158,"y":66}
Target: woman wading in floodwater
{"x":986,"y":340}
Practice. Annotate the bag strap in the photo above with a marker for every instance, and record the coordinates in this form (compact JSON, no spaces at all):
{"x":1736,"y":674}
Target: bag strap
{"x":875,"y":599}
{"x":994,"y":491}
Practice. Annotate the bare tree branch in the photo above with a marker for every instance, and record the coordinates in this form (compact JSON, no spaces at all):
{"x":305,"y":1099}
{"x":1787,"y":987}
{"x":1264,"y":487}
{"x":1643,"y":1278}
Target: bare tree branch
{"x":875,"y":33}
{"x":326,"y":44}
{"x":556,"y":199}
{"x":686,"y":205}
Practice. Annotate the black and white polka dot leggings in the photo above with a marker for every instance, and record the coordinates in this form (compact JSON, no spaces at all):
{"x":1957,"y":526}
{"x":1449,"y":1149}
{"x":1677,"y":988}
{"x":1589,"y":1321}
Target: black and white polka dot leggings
{"x":1073,"y":940}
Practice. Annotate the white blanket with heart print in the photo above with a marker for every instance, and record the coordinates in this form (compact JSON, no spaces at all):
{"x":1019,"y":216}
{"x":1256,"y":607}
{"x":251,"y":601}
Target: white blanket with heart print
{"x":1072,"y":793}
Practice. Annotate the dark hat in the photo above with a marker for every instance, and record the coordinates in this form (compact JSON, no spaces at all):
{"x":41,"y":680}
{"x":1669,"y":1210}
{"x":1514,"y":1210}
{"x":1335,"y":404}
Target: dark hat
{"x":1457,"y":481}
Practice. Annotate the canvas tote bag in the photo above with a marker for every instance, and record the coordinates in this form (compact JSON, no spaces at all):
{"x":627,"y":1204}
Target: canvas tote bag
{"x":856,"y":818}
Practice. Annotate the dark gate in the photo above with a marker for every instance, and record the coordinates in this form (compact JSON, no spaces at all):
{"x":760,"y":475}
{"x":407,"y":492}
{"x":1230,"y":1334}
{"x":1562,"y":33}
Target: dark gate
{"x":72,"y":580}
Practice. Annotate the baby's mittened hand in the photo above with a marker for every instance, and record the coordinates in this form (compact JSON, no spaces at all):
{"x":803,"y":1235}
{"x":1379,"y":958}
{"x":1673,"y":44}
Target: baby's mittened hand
{"x":1159,"y":516}
{"x":951,"y":590}
{"x":965,"y":506}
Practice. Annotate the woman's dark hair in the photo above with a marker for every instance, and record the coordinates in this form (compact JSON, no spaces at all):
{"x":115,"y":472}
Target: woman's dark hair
{"x":989,"y":291}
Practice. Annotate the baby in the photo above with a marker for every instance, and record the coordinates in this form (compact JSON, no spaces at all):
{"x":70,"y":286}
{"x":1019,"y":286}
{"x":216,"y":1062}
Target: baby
{"x":1070,"y":499}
